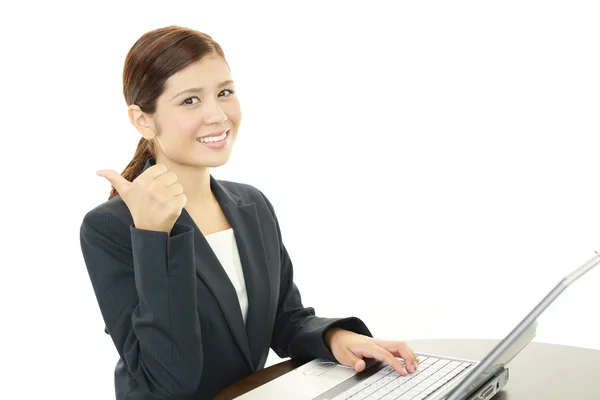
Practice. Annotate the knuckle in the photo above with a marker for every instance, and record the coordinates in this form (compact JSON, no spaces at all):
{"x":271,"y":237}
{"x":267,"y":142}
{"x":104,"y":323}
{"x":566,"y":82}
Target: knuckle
{"x":154,"y":194}
{"x":173,"y":208}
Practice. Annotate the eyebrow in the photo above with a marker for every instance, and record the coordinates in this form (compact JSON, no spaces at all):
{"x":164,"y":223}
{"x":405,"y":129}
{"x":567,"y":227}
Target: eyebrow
{"x":199,"y":89}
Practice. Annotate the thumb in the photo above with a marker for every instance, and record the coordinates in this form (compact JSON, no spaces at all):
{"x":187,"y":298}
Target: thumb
{"x":117,"y":181}
{"x":349,"y":359}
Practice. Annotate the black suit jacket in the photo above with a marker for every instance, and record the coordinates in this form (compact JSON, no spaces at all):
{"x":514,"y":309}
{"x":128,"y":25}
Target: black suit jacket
{"x":172,"y":311}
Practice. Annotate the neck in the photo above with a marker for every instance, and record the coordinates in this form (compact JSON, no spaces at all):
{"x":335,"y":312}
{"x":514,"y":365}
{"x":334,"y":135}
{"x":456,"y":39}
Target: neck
{"x":195,"y":182}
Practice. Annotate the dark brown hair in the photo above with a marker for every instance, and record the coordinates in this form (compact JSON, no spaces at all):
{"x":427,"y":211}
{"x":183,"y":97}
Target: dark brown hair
{"x":154,"y":57}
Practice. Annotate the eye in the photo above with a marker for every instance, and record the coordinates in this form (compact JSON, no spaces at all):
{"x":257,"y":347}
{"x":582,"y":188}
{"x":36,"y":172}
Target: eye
{"x":187,"y":102}
{"x":227,"y":90}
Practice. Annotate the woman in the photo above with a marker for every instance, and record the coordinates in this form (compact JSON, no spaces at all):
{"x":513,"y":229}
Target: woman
{"x":190,"y":273}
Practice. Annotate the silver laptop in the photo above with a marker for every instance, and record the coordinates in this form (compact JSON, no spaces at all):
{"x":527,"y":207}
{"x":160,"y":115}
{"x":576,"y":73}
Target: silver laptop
{"x":437,"y":377}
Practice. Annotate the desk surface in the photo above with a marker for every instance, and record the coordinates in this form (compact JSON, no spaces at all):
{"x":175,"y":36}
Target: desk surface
{"x":540,"y":371}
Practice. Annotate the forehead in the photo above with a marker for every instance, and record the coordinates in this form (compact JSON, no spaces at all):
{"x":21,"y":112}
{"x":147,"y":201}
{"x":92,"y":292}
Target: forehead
{"x":206,"y":73}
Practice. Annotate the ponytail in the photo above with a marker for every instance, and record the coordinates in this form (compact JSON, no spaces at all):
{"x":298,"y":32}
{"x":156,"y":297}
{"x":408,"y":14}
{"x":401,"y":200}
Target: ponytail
{"x":145,"y":150}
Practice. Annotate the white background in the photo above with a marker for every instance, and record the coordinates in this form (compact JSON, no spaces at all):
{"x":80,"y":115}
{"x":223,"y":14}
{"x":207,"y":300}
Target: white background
{"x":434,"y":165}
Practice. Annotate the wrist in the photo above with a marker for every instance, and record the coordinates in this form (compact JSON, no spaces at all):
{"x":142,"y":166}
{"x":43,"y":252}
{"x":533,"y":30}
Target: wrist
{"x":329,"y":334}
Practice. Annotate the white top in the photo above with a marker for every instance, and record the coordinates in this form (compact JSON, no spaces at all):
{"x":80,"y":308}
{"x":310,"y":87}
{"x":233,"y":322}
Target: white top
{"x":225,"y":248}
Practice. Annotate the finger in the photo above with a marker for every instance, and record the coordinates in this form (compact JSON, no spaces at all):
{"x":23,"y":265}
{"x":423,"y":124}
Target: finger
{"x":153,"y":172}
{"x":402,"y":350}
{"x":165,"y":180}
{"x":116,"y":180}
{"x":417,"y":359}
{"x":381,"y":354}
{"x":350,"y":359}
{"x":174,"y":190}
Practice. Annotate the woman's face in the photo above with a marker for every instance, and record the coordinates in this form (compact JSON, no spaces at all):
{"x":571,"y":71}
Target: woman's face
{"x":198,"y":102}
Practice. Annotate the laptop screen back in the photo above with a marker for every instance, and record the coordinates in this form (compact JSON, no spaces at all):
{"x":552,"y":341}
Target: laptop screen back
{"x":516,"y":340}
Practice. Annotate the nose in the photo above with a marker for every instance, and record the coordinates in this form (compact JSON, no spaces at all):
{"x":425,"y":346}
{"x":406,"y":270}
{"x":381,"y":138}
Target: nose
{"x":213,"y":113}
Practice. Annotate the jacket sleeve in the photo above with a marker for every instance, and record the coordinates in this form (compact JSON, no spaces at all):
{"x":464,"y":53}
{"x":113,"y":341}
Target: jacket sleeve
{"x":298,"y":332}
{"x":145,"y":285}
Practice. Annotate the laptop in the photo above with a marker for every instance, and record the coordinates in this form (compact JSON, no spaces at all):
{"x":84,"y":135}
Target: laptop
{"x":437,"y":377}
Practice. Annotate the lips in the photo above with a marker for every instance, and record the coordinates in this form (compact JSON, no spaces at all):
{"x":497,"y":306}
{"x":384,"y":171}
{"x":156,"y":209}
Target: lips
{"x":215,"y":142}
{"x":213,"y":139}
{"x":214,"y":134}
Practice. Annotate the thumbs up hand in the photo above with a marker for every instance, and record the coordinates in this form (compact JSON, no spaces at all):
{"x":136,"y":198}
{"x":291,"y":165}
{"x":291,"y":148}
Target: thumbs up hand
{"x":155,"y":199}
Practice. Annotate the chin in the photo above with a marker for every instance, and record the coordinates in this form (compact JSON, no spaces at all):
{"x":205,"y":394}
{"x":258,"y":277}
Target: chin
{"x":213,"y":162}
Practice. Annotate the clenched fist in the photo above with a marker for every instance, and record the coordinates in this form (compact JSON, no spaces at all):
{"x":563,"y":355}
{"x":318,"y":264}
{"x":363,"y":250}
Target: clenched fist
{"x":155,"y":199}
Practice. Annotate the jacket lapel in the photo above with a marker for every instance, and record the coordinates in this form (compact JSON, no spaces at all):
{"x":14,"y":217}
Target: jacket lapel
{"x":243,"y":218}
{"x":210,"y":270}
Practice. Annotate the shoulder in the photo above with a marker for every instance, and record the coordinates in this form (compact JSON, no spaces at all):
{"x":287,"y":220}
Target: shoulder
{"x":115,"y":207}
{"x":111,"y":218}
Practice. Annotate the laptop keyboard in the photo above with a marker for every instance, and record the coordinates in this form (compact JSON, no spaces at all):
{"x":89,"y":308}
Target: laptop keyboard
{"x":387,"y":384}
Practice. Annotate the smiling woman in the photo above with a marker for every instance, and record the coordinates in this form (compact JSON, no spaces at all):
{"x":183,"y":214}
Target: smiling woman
{"x":197,"y":100}
{"x":191,"y":274}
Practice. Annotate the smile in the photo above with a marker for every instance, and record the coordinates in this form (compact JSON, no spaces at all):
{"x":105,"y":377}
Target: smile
{"x":213,"y":139}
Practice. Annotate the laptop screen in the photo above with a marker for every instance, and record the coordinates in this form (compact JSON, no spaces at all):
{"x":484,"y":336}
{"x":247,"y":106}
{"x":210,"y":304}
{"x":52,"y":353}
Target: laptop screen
{"x":516,"y":340}
{"x":499,"y":362}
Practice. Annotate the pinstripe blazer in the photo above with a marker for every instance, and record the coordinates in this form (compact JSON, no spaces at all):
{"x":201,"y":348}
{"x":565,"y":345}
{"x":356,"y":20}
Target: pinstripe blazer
{"x":172,"y":312}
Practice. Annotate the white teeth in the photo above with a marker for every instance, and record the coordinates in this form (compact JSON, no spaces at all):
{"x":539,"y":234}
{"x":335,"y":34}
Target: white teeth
{"x":213,"y":139}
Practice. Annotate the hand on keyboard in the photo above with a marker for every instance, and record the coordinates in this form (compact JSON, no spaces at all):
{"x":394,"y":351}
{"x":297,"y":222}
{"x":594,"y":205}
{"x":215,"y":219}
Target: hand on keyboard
{"x":386,"y":384}
{"x":349,"y":348}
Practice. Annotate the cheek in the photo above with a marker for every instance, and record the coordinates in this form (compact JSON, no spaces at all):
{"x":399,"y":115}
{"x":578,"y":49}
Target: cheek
{"x":233,"y":112}
{"x":187,"y":124}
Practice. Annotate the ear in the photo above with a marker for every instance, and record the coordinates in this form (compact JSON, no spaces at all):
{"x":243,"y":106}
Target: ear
{"x":142,"y":121}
